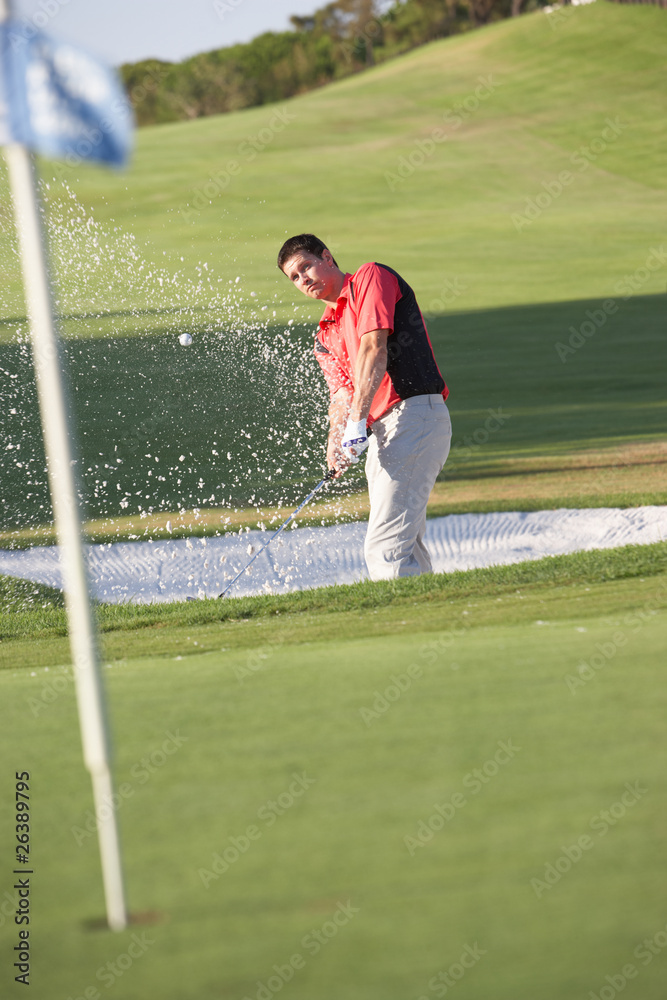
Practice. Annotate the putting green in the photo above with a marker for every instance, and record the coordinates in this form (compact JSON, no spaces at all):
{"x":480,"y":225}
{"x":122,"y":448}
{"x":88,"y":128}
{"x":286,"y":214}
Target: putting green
{"x":437,"y":782}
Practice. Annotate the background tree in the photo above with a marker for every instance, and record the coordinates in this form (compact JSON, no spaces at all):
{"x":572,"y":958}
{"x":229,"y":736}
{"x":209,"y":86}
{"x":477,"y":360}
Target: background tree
{"x":363,"y":25}
{"x":339,"y":38}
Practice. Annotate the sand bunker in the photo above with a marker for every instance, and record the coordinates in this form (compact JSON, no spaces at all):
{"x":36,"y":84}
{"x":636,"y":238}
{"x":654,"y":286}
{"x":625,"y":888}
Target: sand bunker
{"x":172,"y":570}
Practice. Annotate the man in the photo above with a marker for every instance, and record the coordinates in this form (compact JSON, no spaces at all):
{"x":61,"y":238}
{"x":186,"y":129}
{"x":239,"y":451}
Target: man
{"x":377,"y":358}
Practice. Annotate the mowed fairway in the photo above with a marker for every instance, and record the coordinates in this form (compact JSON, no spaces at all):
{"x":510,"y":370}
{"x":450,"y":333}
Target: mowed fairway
{"x":285,"y":782}
{"x":539,"y":93}
{"x":500,"y":295}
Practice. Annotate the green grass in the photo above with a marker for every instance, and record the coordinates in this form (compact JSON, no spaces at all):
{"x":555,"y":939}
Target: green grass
{"x":498,"y":300}
{"x":554,"y":90}
{"x":189,"y":409}
{"x":496,"y":656}
{"x":33,"y":626}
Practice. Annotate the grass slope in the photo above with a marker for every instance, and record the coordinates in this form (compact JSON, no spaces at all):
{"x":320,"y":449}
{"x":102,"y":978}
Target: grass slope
{"x":500,"y":299}
{"x":553,"y":88}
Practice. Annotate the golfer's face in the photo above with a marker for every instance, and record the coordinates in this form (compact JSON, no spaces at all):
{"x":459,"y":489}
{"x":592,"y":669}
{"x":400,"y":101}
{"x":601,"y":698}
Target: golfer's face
{"x":314,"y":276}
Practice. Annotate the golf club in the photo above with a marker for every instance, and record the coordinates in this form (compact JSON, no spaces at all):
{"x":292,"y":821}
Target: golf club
{"x":330,"y":474}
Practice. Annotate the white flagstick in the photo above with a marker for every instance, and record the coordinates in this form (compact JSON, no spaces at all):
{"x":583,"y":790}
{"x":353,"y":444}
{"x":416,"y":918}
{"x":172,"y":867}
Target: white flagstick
{"x":57,"y":443}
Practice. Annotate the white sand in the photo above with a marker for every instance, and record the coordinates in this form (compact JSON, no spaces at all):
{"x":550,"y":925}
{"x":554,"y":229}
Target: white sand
{"x":315,"y":557}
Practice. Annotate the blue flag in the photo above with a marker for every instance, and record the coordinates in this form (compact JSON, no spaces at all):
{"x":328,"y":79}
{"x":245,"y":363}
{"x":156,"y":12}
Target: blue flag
{"x":59,"y":101}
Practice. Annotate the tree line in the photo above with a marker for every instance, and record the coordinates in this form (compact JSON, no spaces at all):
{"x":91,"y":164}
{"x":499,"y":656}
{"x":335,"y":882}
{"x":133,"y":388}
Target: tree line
{"x":341,"y":38}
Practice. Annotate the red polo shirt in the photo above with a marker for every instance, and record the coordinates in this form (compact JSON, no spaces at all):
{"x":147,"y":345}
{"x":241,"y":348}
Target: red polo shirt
{"x":377,"y":298}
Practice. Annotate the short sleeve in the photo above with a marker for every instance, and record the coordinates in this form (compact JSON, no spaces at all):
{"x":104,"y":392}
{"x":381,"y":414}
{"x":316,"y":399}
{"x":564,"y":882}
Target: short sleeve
{"x":376,"y":292}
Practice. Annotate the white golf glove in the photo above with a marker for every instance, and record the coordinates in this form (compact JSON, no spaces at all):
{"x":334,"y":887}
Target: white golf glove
{"x":355,"y":439}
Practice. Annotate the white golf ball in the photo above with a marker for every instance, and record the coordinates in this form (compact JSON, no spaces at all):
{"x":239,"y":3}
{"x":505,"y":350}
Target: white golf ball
{"x":185,"y":339}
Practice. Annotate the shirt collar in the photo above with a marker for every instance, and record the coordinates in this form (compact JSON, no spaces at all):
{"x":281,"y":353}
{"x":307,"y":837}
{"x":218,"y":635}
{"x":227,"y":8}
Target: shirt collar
{"x":330,"y":311}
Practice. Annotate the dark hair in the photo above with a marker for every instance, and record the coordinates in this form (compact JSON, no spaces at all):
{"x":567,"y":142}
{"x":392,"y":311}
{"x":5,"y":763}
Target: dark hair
{"x":305,"y":243}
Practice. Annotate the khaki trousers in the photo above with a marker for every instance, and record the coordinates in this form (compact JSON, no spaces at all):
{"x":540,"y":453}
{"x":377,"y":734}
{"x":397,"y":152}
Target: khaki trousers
{"x":407,"y":450}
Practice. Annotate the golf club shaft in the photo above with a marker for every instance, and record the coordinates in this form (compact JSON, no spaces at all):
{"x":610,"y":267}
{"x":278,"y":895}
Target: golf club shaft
{"x":330,"y":474}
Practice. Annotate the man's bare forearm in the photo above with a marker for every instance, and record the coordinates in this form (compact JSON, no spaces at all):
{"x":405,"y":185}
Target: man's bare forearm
{"x":369,"y":371}
{"x":338,"y":409}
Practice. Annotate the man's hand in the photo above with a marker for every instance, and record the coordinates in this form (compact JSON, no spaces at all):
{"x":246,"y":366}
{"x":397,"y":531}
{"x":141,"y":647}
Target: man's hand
{"x":355,"y":439}
{"x":336,"y":458}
